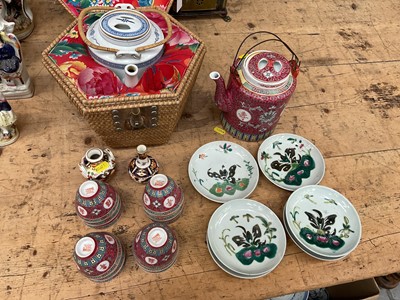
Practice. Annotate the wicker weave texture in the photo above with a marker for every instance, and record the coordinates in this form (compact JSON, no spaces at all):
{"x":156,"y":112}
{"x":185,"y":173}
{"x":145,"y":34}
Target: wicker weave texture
{"x":98,"y":112}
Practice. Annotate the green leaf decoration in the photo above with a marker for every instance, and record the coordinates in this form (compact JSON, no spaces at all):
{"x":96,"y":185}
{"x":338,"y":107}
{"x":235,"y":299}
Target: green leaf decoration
{"x":217,"y":189}
{"x":64,"y":47}
{"x":303,"y":170}
{"x":323,"y":241}
{"x":242,"y":184}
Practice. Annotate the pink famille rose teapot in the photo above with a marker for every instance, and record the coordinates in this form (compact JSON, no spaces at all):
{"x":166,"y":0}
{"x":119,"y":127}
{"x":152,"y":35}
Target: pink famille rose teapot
{"x":260,"y":85}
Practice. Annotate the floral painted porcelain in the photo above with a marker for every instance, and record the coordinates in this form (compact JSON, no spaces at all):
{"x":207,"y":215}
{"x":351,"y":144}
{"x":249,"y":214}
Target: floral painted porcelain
{"x":323,"y":221}
{"x":246,"y":237}
{"x":259,"y":88}
{"x":290,"y":161}
{"x":99,"y":256}
{"x":155,"y":247}
{"x":97,"y":204}
{"x":163,"y":199}
{"x":222,"y":171}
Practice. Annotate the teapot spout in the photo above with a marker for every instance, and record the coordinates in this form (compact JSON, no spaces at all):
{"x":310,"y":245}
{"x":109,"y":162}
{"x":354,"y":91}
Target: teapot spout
{"x":131,"y":76}
{"x":222,"y":96}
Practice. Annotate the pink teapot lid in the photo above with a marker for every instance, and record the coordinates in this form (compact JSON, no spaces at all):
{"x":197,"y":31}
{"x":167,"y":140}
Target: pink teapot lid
{"x":266,"y":69}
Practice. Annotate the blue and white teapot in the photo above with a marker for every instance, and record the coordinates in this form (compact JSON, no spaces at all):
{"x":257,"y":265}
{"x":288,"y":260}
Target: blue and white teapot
{"x":124,"y":40}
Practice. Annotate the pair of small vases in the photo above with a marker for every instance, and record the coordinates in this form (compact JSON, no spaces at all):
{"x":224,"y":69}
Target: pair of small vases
{"x":100,"y":256}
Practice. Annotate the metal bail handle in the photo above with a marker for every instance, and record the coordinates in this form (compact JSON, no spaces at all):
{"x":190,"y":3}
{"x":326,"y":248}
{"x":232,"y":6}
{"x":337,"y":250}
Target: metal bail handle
{"x":86,"y":11}
{"x":294,"y":62}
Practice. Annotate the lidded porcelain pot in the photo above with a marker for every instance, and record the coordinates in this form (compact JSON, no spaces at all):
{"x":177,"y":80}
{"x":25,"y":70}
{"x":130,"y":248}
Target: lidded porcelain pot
{"x":261,"y":82}
{"x":124,"y":40}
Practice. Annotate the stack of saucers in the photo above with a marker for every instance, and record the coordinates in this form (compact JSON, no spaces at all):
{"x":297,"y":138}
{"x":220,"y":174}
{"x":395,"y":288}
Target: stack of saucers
{"x":322,"y":222}
{"x":163,"y":199}
{"x":99,"y":256}
{"x":97,"y":204}
{"x":246,"y":239}
{"x":155,"y":247}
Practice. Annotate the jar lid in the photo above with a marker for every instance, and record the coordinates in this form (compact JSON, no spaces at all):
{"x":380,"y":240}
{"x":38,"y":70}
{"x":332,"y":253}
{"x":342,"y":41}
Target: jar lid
{"x":124,"y":24}
{"x":266,"y":69}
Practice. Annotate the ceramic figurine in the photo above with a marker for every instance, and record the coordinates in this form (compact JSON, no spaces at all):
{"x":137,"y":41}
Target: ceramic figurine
{"x":97,"y":164}
{"x":142,"y":167}
{"x":260,"y":85}
{"x":18,"y":12}
{"x":8,"y":131}
{"x":127,"y":48}
{"x":15,"y":81}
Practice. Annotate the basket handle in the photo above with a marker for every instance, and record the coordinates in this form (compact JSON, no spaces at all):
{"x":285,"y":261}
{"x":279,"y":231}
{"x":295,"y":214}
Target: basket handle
{"x":85,"y":11}
{"x":294,"y":62}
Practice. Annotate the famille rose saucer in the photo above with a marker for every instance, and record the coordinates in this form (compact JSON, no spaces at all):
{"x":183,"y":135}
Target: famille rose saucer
{"x":222,"y":171}
{"x":322,"y":222}
{"x":290,"y":161}
{"x":246,"y":238}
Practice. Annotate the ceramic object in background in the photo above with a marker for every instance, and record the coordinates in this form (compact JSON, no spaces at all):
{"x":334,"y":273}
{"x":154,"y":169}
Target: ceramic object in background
{"x":15,"y":81}
{"x":290,"y":161}
{"x":18,"y":12}
{"x":97,"y":164}
{"x":260,"y":86}
{"x":125,"y":41}
{"x":8,"y":131}
{"x":155,"y":247}
{"x":322,"y":222}
{"x":142,"y":167}
{"x":163,"y":199}
{"x":98,"y":204}
{"x":99,"y":256}
{"x":222,"y":171}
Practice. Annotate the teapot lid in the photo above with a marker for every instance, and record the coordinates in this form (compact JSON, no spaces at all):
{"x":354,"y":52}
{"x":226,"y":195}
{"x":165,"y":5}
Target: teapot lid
{"x":264,"y":68}
{"x":124,"y":24}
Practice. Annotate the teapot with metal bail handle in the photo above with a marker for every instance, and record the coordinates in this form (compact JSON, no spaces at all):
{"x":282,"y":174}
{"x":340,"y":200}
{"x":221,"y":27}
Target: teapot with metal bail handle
{"x":260,"y":85}
{"x":124,"y":40}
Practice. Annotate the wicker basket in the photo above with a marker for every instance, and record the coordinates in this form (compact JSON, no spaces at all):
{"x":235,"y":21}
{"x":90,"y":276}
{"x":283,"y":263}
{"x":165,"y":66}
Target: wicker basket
{"x":113,"y":119}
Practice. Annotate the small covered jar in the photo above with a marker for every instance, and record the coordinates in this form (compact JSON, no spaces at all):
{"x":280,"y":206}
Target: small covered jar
{"x":97,"y":164}
{"x":142,"y":167}
{"x":163,"y":199}
{"x":98,"y":204}
{"x":155,"y":247}
{"x":99,"y":256}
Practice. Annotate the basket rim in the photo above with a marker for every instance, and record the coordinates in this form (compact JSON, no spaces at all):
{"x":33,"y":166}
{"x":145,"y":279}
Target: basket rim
{"x":85,"y":103}
{"x":168,"y":8}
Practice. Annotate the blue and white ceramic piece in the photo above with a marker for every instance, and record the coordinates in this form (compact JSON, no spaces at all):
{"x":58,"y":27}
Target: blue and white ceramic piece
{"x":125,"y":29}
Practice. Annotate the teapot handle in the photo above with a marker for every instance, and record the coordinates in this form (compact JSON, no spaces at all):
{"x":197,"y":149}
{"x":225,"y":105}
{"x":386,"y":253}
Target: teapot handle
{"x":85,"y":11}
{"x":294,"y":62}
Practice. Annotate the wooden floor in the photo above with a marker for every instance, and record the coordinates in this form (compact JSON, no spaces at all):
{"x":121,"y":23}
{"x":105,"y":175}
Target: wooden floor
{"x":347,"y":102}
